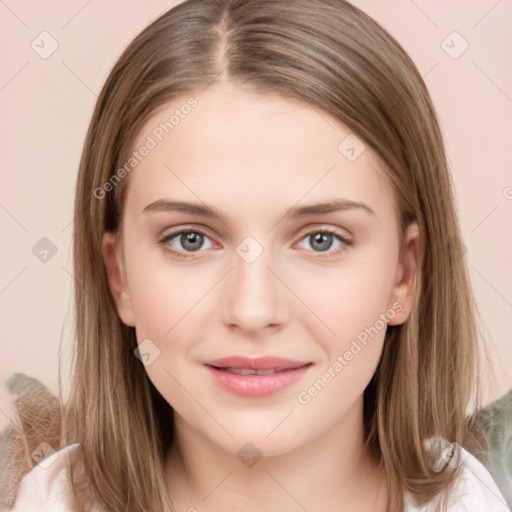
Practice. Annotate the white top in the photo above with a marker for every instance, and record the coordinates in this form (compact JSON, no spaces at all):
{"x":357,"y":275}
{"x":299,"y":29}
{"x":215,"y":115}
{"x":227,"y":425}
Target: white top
{"x":46,"y":488}
{"x":474,"y":491}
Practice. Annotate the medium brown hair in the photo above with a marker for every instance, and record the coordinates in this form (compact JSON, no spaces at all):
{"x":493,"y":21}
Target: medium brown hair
{"x":332,"y":56}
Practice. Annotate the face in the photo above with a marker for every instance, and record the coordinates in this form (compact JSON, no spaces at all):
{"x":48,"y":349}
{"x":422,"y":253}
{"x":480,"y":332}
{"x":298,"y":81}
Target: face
{"x":255,"y":270}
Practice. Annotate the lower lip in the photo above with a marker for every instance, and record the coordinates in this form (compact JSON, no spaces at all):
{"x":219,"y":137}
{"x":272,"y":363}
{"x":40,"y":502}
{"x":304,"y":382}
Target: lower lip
{"x":257,"y":386}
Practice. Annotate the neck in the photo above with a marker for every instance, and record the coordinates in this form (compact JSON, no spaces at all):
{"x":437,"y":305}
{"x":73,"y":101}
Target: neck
{"x":332,"y":469}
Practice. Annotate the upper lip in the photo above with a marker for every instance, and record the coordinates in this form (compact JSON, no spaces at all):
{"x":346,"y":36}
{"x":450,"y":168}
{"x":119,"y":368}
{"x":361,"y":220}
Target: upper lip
{"x":256,"y":363}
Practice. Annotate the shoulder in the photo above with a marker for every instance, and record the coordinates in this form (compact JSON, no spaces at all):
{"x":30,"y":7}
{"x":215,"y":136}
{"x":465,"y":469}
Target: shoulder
{"x":474,"y":490}
{"x":47,"y":486}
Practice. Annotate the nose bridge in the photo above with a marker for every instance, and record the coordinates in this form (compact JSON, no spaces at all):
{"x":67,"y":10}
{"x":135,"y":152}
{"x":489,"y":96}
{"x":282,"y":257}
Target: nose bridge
{"x":255,"y":296}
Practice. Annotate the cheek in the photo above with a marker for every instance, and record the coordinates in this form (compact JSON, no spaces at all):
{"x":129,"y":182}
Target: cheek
{"x":346,"y":301}
{"x":167,"y":304}
{"x":356,"y":310}
{"x":163,"y":294}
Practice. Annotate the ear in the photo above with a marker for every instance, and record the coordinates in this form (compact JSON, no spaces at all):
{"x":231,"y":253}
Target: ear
{"x":116,"y":274}
{"x":404,"y":287}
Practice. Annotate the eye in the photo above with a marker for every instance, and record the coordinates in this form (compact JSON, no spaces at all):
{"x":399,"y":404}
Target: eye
{"x":323,"y":240}
{"x":188,"y":240}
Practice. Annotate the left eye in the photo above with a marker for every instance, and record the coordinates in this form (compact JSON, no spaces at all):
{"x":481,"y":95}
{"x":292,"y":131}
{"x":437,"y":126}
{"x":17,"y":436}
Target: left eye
{"x":322,"y":241}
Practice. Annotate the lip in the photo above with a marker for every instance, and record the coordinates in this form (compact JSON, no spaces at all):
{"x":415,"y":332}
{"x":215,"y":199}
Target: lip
{"x":256,"y":363}
{"x":287,"y":372}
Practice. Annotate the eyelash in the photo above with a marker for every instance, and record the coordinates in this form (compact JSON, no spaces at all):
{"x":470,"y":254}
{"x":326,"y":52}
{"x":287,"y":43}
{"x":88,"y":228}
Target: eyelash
{"x":164,"y":241}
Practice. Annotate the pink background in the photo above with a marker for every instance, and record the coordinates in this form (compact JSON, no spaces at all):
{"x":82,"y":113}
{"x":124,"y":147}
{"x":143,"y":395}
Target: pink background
{"x":46,"y":105}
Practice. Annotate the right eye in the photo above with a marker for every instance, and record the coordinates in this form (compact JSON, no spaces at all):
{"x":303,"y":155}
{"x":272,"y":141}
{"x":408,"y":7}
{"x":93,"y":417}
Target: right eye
{"x":188,"y":241}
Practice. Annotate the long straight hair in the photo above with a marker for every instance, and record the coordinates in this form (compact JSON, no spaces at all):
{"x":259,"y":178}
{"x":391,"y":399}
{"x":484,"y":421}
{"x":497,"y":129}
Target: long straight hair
{"x":332,"y":56}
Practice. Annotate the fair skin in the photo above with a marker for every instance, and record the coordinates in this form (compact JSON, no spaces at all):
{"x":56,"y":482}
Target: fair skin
{"x":253,"y":157}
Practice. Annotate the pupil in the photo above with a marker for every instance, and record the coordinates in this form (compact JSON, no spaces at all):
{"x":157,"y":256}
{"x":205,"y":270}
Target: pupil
{"x":323,"y":239}
{"x":192,"y":241}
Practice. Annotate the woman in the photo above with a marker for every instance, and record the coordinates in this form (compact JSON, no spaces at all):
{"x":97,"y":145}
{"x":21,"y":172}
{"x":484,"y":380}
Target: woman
{"x":270,"y":312}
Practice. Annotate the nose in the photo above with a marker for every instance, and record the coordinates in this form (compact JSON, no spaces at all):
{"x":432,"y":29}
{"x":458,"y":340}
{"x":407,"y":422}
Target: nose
{"x":255,"y":297}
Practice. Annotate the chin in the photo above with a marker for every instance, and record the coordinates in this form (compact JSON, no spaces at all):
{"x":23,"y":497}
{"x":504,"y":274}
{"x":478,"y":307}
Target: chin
{"x":257,"y":442}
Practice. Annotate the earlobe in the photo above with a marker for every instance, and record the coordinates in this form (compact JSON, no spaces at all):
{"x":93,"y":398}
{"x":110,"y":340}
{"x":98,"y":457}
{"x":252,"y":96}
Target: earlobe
{"x":404,"y":288}
{"x":116,"y":276}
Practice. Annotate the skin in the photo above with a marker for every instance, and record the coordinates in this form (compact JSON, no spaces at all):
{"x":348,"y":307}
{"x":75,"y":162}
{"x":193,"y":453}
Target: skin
{"x":252,"y":157}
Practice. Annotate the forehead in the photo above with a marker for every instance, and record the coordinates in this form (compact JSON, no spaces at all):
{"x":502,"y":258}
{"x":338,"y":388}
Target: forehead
{"x":246,"y":150}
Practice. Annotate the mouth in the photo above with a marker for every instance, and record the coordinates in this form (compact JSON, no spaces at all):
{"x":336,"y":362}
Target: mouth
{"x":272,"y":363}
{"x":250,"y":371}
{"x":256,"y":377}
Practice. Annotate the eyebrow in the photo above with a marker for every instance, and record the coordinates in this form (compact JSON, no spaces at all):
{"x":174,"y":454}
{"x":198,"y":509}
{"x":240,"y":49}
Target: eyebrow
{"x":295,"y":212}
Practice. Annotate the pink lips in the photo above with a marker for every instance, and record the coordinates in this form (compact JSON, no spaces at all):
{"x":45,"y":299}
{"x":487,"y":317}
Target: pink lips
{"x":256,"y":377}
